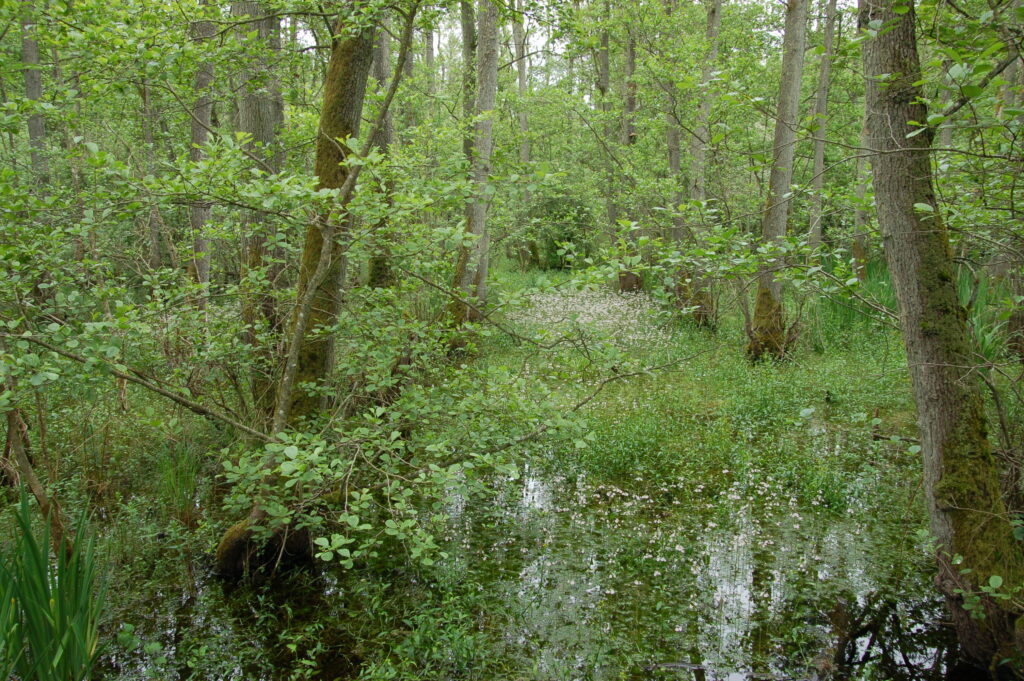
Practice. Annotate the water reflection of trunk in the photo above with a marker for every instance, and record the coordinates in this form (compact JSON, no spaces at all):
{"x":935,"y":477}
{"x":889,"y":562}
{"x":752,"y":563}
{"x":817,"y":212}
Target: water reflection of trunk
{"x":759,"y":637}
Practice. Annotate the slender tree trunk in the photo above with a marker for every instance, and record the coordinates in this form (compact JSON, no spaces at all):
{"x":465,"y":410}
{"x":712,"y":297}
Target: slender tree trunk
{"x":860,"y":213}
{"x":468,"y":22}
{"x":945,"y":136}
{"x":428,"y":61}
{"x":768,"y":330}
{"x":34,"y":93}
{"x":528,"y":248}
{"x":961,"y":477}
{"x":261,"y":115}
{"x":692,"y":291}
{"x":519,"y":38}
{"x":153,"y":224}
{"x":381,"y":274}
{"x":629,"y":93}
{"x":17,"y":447}
{"x":472,"y":265}
{"x":820,"y":126}
{"x":700,"y":140}
{"x":675,"y":173}
{"x":604,"y":104}
{"x":199,"y":211}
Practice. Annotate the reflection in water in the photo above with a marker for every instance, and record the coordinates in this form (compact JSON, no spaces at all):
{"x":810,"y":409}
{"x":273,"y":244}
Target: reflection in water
{"x":600,"y":583}
{"x":735,"y":581}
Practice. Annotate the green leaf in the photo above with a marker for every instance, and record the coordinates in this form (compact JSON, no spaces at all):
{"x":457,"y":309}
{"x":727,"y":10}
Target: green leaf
{"x":971,"y":91}
{"x":924,"y":207}
{"x":995,"y":581}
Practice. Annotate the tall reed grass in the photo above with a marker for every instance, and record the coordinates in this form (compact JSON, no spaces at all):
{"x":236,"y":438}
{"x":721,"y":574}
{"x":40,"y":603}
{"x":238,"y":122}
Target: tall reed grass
{"x":51,"y":607}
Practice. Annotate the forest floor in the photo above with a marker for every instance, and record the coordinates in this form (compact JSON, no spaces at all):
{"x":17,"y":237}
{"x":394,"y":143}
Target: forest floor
{"x":718,"y":521}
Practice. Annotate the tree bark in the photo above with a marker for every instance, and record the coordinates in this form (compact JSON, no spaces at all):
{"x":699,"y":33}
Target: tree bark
{"x":467,"y":17}
{"x":604,"y":104}
{"x":860,"y":214}
{"x":692,"y":291}
{"x":344,"y":91}
{"x":768,"y":334}
{"x":472,"y":265}
{"x":699,"y":141}
{"x":629,"y":92}
{"x":519,"y":39}
{"x":318,"y":291}
{"x":961,"y":477}
{"x":199,"y":211}
{"x":381,"y":274}
{"x":261,"y":115}
{"x":820,"y":126}
{"x":428,"y":60}
{"x":34,"y":93}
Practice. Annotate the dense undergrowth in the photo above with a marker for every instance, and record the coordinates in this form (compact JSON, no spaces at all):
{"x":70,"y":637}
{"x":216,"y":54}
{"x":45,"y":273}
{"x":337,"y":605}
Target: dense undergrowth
{"x":674,"y":448}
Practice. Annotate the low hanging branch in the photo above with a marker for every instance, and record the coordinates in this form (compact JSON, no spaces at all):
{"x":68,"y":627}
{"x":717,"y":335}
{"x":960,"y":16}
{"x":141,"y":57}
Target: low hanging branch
{"x":139,"y":378}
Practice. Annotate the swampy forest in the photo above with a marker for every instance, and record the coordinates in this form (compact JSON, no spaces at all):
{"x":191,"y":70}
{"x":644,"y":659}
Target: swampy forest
{"x":511,"y":340}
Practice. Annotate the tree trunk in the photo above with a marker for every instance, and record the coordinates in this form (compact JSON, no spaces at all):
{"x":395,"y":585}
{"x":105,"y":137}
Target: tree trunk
{"x":968,"y":518}
{"x":472,"y":265}
{"x":199,"y":211}
{"x":34,"y":93}
{"x":699,"y":141}
{"x":344,"y":90}
{"x":381,"y":274}
{"x":820,"y":126}
{"x":629,"y":92}
{"x":468,"y":23}
{"x":260,"y":114}
{"x":768,"y":331}
{"x":692,"y":291}
{"x":311,"y":352}
{"x":604,"y":104}
{"x":528,"y":249}
{"x":860,"y":214}
{"x":428,"y":60}
{"x":519,"y":38}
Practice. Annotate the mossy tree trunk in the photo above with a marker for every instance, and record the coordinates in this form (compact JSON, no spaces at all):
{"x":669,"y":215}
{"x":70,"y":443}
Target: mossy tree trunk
{"x":321,"y":268}
{"x":768,"y":329}
{"x":968,"y":518}
{"x":310,"y":353}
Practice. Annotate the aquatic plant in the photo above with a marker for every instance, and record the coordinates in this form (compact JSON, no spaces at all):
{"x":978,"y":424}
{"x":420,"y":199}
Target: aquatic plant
{"x":49,"y":620}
